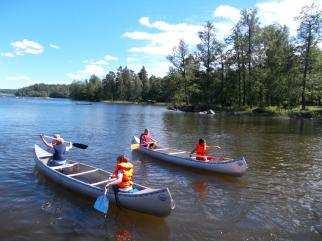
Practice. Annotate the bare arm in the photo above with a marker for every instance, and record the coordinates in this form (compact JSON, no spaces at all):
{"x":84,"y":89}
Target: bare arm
{"x":46,"y":143}
{"x":69,"y":146}
{"x":116,"y":180}
{"x":193,"y":151}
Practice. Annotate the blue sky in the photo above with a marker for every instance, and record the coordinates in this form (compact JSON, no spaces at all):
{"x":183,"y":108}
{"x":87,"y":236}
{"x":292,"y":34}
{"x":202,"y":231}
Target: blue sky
{"x":60,"y":41}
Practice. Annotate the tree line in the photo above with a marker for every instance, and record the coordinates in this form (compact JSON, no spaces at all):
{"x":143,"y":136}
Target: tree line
{"x":253,"y":66}
{"x":44,"y":90}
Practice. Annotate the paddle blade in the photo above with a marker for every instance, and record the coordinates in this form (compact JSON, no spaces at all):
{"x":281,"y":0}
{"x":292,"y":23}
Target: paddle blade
{"x":101,"y":204}
{"x":80,"y":145}
{"x":135,"y":146}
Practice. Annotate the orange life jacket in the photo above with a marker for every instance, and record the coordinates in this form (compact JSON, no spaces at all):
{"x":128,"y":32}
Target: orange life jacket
{"x":127,"y":169}
{"x":201,"y":150}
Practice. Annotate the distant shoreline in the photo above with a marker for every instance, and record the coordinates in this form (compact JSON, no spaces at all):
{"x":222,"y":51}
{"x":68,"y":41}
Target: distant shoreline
{"x":134,"y":102}
{"x":312,"y":112}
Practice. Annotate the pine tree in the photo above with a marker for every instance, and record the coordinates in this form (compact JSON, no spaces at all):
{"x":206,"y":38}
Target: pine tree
{"x":308,"y":36}
{"x":143,"y":76}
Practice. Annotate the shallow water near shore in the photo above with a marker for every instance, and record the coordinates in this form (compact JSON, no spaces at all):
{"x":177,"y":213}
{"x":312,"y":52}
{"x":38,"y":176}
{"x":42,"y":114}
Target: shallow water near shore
{"x":279,"y":198}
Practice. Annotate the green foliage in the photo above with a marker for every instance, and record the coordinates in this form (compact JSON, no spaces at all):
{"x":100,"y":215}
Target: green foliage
{"x":254,"y":66}
{"x":44,"y":90}
{"x":308,"y":37}
{"x":7,"y":91}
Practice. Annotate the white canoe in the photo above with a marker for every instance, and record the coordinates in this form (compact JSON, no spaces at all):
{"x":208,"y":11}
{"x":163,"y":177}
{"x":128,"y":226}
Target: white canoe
{"x":233,"y":167}
{"x":90,"y":181}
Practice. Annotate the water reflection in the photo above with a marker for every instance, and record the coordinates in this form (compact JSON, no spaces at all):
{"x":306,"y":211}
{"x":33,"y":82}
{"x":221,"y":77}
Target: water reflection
{"x":279,"y":198}
{"x":201,"y":188}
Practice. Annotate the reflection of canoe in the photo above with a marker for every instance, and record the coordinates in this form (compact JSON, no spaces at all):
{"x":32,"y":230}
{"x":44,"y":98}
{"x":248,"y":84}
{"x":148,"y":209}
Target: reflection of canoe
{"x":91,"y":181}
{"x":234,"y":167}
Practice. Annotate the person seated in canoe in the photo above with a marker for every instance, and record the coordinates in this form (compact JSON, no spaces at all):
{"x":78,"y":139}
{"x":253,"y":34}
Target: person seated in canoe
{"x":122,"y":177}
{"x":146,"y":140}
{"x":59,"y":147}
{"x":201,"y":150}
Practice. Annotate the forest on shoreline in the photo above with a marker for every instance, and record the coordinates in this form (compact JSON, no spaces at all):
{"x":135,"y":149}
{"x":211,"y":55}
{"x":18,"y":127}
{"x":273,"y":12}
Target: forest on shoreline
{"x":255,"y":66}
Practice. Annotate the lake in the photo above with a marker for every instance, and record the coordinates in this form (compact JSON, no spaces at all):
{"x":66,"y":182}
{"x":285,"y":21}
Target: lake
{"x":279,"y":198}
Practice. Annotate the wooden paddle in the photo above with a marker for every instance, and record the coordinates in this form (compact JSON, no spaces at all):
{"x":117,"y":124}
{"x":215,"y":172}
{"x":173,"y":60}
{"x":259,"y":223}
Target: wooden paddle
{"x":135,"y":146}
{"x":77,"y":145}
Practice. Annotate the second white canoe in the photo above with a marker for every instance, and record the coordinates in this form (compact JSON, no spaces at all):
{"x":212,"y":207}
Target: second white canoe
{"x":233,"y":167}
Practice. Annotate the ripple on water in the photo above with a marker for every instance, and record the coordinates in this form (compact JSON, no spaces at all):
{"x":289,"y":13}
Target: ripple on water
{"x":279,"y":198}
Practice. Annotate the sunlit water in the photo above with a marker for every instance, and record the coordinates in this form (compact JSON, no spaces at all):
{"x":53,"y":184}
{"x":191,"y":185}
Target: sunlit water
{"x":279,"y":198}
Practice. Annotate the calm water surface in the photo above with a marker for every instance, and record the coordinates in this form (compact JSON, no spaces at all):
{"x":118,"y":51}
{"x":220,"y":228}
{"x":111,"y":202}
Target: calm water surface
{"x":280,"y":198}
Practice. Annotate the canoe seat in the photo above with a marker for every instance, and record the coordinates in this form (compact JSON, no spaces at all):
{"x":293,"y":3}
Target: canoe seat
{"x":98,"y":183}
{"x":82,"y":173}
{"x":64,"y":166}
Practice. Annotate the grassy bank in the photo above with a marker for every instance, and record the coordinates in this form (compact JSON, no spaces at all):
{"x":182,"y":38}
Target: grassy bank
{"x":296,"y":112}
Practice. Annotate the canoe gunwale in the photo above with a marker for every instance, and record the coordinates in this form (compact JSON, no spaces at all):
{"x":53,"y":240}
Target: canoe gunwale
{"x":101,"y":189}
{"x":136,"y":197}
{"x":233,"y":167}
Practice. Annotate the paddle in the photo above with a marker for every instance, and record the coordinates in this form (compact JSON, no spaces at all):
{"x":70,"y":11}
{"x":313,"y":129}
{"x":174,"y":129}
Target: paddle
{"x":101,"y":203}
{"x":77,"y":145}
{"x":215,"y":147}
{"x":80,"y":145}
{"x":135,"y":146}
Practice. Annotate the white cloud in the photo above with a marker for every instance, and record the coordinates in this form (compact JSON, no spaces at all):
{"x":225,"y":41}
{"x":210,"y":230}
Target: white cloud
{"x":161,"y":37}
{"x":110,"y":58}
{"x":282,"y":12}
{"x":19,"y":81}
{"x":156,"y":66}
{"x":227,"y":12}
{"x":24,"y":47}
{"x":97,"y":67}
{"x":273,"y":11}
{"x":165,"y":39}
{"x":8,"y":54}
{"x":158,"y":43}
{"x":54,"y":46}
{"x":320,"y":44}
{"x":226,"y":17}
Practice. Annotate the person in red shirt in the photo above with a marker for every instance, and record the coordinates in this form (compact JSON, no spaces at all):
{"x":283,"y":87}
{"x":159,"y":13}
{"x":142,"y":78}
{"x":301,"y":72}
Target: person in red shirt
{"x":146,"y":140}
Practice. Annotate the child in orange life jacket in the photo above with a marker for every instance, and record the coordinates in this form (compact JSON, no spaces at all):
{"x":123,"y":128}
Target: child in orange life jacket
{"x":123,"y":175}
{"x":201,"y":151}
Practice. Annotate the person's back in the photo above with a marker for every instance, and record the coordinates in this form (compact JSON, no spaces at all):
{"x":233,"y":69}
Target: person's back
{"x":59,"y":152}
{"x":201,"y":150}
{"x":59,"y":149}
